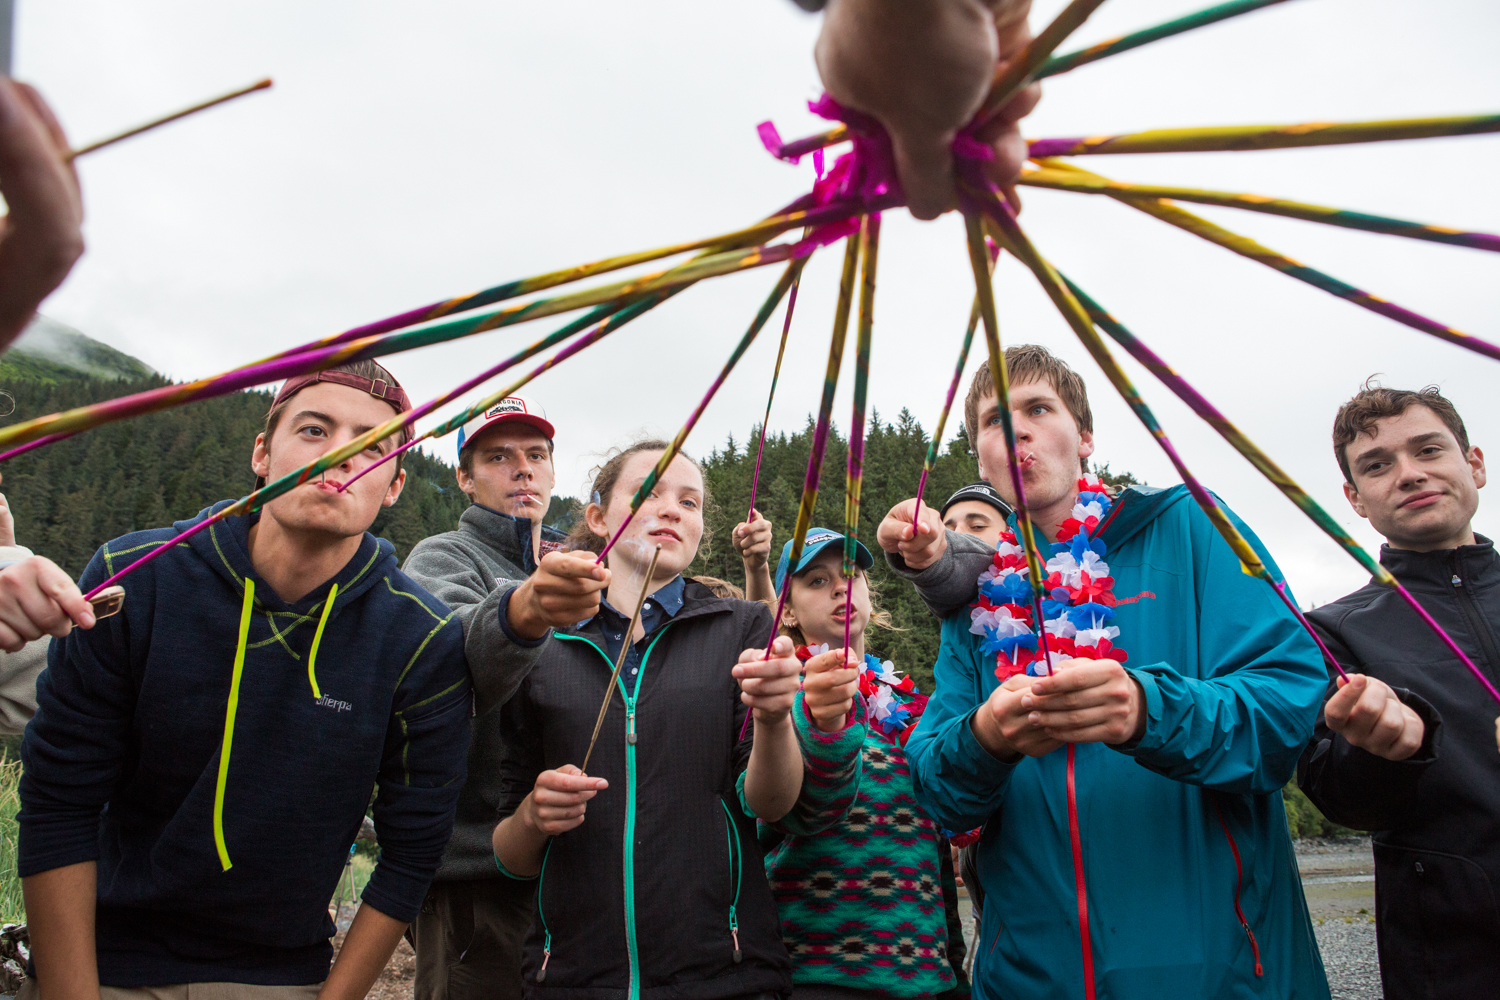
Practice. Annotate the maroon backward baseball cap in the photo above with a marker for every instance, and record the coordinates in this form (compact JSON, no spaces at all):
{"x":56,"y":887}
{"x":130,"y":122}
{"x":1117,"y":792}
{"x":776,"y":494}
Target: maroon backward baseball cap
{"x":389,"y":391}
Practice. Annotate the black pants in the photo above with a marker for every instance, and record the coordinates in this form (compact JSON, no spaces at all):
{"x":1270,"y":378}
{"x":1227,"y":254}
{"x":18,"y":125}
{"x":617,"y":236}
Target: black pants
{"x":469,"y":937}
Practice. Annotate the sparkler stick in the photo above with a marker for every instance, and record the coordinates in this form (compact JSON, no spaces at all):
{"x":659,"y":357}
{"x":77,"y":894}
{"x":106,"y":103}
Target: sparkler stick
{"x":820,"y":429}
{"x":854,"y":478}
{"x":626,"y":642}
{"x":609,"y":325}
{"x":1263,"y":463}
{"x":785,"y":219}
{"x":1236,"y":138}
{"x":1020,"y":245}
{"x":1063,"y":177}
{"x":1124,"y":43}
{"x":1076,"y":315}
{"x":760,"y":453}
{"x":618,"y":294}
{"x":158,"y":122}
{"x":1246,"y":247}
{"x":820,"y":435}
{"x":1020,"y":68}
{"x":296,"y":478}
{"x":958,"y":372}
{"x":794,"y":269}
{"x":979,"y":259}
{"x":1062,"y":64}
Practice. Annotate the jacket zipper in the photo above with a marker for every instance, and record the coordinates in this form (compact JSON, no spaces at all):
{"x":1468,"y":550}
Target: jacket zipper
{"x":1080,"y":887}
{"x":1239,"y":881}
{"x":737,"y":875}
{"x":630,"y":740}
{"x":1475,"y":619}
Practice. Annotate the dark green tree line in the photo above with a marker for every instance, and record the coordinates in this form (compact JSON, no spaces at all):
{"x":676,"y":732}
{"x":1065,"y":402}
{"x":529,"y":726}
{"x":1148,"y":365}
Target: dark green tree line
{"x":71,"y":497}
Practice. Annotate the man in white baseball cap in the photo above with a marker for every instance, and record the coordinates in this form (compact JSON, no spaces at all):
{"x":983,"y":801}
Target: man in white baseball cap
{"x":504,"y":575}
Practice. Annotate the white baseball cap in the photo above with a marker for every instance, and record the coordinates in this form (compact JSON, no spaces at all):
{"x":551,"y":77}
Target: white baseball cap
{"x":510,"y":410}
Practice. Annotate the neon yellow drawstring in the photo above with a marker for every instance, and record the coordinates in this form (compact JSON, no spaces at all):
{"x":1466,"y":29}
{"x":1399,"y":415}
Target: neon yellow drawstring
{"x":312,"y":654}
{"x":234,"y":704}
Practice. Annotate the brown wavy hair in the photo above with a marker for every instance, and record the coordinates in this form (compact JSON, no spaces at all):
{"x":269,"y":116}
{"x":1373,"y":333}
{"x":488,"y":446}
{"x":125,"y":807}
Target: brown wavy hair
{"x":606,"y":476}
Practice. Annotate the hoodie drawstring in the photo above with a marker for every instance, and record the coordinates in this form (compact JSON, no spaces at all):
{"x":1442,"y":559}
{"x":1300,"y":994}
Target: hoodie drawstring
{"x":234,"y":704}
{"x":312,"y":654}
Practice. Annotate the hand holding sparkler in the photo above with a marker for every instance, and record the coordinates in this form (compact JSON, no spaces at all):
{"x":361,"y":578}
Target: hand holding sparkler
{"x":564,"y":590}
{"x":37,"y":598}
{"x":829,"y":687}
{"x":919,"y":544}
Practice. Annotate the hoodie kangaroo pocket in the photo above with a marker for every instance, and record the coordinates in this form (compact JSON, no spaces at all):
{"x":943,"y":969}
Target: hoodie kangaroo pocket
{"x":1439,"y":923}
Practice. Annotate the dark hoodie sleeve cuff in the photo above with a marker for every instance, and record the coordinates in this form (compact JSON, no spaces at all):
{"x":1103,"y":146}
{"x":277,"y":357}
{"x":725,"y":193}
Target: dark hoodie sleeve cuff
{"x":511,"y":633}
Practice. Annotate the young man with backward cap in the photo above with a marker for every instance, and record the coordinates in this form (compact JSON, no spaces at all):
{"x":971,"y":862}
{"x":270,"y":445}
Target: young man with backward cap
{"x":1135,"y":844}
{"x":1406,"y":747}
{"x":504,"y":575}
{"x":200,"y":762}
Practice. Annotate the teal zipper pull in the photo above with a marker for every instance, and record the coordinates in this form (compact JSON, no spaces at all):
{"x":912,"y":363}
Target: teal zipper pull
{"x":734,"y":932}
{"x":541,"y":974}
{"x":630,"y":727}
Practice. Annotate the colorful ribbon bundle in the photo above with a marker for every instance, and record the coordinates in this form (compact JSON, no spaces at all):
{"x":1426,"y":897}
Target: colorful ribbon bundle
{"x":845,"y":202}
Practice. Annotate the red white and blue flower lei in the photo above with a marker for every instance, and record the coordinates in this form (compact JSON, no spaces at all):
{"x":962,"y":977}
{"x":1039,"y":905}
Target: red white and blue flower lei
{"x":893,"y":705}
{"x":1080,"y":598}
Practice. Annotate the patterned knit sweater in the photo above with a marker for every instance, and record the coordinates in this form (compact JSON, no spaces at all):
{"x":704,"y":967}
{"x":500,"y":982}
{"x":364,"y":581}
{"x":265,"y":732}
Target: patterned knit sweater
{"x":862,"y":877}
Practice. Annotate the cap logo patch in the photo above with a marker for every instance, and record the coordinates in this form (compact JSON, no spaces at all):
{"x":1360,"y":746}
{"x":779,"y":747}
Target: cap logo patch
{"x":511,"y":405}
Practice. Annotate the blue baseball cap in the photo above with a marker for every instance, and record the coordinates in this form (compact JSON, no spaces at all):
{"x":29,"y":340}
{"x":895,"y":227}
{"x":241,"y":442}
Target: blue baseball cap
{"x":819,"y":539}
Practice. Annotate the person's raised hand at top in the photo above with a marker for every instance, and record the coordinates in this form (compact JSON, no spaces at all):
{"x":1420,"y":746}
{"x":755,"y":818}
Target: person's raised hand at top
{"x":1367,"y":713}
{"x":37,"y":598}
{"x":752,"y":540}
{"x":923,"y":70}
{"x":564,"y":590}
{"x":919,"y":546}
{"x":40,"y":238}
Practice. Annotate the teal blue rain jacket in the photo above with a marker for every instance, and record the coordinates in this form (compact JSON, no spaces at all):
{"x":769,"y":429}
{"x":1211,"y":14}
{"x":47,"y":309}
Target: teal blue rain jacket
{"x":1172,"y":832}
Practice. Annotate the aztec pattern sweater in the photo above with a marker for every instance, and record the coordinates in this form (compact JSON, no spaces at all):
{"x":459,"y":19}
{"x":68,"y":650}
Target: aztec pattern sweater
{"x":861,"y":875}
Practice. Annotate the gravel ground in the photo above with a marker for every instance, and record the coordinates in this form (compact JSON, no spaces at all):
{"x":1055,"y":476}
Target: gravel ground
{"x":1348,"y":948}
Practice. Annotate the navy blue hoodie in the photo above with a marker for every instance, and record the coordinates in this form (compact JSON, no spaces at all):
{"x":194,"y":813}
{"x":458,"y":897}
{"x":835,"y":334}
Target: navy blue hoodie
{"x":217,"y":770}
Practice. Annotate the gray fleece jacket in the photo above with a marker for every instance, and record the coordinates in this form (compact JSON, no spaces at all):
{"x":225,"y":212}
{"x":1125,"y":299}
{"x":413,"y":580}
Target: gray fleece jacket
{"x":473,"y":570}
{"x":949,"y":583}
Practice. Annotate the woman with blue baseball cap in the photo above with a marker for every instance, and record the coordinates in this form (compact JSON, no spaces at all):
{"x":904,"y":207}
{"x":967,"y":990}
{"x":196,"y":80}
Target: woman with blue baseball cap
{"x":863,"y":879}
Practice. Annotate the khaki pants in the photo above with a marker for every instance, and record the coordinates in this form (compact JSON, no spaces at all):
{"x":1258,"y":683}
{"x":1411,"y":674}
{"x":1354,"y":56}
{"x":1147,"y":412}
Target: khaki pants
{"x":469,"y":937}
{"x":193,"y":991}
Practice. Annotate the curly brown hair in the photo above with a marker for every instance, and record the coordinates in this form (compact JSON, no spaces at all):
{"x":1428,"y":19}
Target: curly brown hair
{"x":1374,"y":402}
{"x":606,"y":476}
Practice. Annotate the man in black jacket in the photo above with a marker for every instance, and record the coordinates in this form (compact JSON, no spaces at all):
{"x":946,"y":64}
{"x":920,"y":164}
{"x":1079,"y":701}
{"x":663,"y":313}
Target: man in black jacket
{"x":1406,"y":746}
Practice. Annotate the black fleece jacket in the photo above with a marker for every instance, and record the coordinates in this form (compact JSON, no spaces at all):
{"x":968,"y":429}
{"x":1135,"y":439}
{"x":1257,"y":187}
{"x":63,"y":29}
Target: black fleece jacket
{"x":1436,"y":815}
{"x":666,"y":842}
{"x":217,"y":772}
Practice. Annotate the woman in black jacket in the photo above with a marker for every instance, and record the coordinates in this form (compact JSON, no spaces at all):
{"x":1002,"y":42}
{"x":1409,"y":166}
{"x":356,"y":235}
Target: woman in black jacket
{"x":650,"y":878}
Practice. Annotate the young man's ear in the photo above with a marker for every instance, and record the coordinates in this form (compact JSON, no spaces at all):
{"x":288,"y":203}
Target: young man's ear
{"x":393,"y":491}
{"x":260,"y":458}
{"x":1476,"y":462}
{"x":1351,"y":493}
{"x":465,"y":481}
{"x":1085,"y":446}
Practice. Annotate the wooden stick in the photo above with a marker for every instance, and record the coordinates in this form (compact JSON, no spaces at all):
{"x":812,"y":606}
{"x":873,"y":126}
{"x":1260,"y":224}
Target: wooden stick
{"x":148,"y":126}
{"x":627,"y":641}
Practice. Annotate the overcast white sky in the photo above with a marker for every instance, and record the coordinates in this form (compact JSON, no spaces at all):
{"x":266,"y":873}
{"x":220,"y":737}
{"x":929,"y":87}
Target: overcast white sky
{"x":412,"y":152}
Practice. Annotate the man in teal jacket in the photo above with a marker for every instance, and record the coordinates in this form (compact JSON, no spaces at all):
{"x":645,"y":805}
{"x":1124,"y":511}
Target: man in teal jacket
{"x":1135,"y":843}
